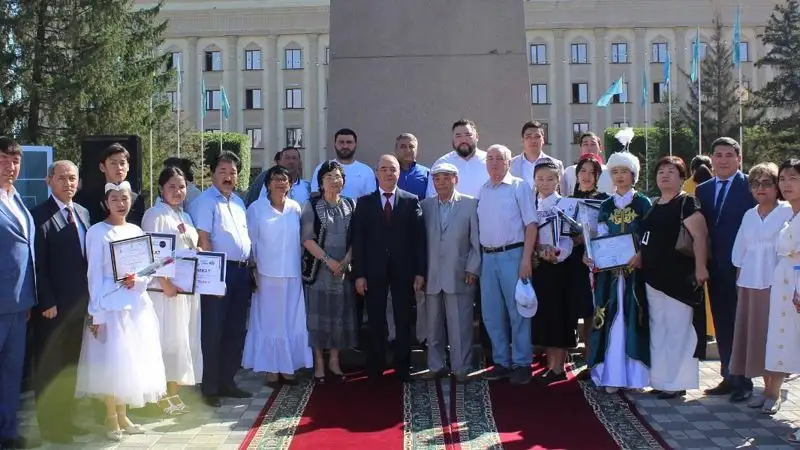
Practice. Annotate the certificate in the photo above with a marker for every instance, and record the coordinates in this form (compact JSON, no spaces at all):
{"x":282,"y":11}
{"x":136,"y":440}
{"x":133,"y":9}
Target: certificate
{"x":570,"y":208}
{"x":163,"y":246}
{"x":184,"y":278}
{"x":210,"y":273}
{"x":131,"y":255}
{"x":613,"y":252}
{"x":589,"y":213}
{"x":547,"y":234}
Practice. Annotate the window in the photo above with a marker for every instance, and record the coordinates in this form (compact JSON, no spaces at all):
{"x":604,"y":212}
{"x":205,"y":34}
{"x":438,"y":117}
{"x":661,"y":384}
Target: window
{"x":546,"y":133}
{"x":623,"y":97}
{"x":252,"y":60}
{"x":32,"y":181}
{"x":294,"y":59}
{"x":659,"y":52}
{"x":620,"y":124}
{"x":539,"y":94}
{"x":660,"y":92}
{"x":744,"y":52}
{"x":255,"y":137}
{"x":580,"y":93}
{"x":213,"y":61}
{"x":746,"y":85}
{"x":327,"y":55}
{"x":252,"y":99}
{"x":294,"y":137}
{"x":213,"y":100}
{"x":212,"y":130}
{"x":294,"y":98}
{"x":175,"y":61}
{"x":538,"y":54}
{"x":172,"y":98}
{"x":580,"y":54}
{"x":619,"y":53}
{"x":578,"y":128}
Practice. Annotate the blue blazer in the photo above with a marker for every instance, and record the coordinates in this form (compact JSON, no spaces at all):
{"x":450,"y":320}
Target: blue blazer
{"x":17,"y":273}
{"x":723,"y":231}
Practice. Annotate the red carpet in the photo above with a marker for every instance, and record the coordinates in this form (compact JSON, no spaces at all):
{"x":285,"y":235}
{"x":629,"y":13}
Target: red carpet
{"x":565,"y":415}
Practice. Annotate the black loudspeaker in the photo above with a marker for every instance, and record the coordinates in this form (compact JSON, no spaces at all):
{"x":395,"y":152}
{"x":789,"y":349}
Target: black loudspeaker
{"x":92,"y":148}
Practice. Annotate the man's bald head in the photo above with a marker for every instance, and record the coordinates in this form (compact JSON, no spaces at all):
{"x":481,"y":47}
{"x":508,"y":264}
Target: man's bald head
{"x":388,"y":172}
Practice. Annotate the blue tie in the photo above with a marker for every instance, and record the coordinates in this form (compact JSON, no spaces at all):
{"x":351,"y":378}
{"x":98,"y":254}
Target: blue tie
{"x":720,"y":200}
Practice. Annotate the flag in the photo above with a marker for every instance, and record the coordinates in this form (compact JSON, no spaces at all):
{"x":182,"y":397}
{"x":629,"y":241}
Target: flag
{"x":644,"y":89}
{"x":667,"y":69}
{"x":614,"y":89}
{"x":737,"y":37}
{"x":203,"y":97}
{"x":226,"y":107}
{"x":695,"y":56}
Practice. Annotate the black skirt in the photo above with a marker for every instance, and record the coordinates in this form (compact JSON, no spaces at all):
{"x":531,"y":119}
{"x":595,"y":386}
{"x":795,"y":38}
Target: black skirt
{"x":553,"y":325}
{"x":578,"y":288}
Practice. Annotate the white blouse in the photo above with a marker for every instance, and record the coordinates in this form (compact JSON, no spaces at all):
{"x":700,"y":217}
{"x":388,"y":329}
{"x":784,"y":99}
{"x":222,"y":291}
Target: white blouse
{"x":275,"y":237}
{"x":754,"y":250}
{"x":564,"y":242}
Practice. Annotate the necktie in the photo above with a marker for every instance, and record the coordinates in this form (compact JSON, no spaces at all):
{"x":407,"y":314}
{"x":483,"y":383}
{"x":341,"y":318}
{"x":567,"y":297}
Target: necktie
{"x":70,"y":216}
{"x":720,"y":199}
{"x":387,"y":208}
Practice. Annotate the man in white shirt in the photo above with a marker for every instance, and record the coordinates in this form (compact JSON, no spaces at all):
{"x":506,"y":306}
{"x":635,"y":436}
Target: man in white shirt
{"x":360,"y":178}
{"x":467,"y":158}
{"x":590,"y":143}
{"x":523,"y":164}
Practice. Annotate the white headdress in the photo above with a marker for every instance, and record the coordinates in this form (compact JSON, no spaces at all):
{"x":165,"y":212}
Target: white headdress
{"x":124,"y":186}
{"x":624,"y":158}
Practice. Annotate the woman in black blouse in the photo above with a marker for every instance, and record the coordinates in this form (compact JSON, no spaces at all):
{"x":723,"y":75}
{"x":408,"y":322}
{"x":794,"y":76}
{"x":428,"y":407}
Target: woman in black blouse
{"x":674,"y":283}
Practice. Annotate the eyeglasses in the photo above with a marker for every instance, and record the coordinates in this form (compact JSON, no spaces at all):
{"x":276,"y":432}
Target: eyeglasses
{"x":766,"y":184}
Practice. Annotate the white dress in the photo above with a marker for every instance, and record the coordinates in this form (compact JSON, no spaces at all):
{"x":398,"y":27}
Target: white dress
{"x":124,"y":360}
{"x":277,"y":337}
{"x":179,"y":316}
{"x":783,"y":334}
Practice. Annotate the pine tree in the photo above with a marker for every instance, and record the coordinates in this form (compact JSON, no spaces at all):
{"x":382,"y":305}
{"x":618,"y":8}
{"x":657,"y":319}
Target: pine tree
{"x":11,"y":108}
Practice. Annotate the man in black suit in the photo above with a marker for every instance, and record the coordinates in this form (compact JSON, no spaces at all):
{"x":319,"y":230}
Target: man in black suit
{"x":115,"y":162}
{"x":389,"y":255}
{"x":63,"y":292}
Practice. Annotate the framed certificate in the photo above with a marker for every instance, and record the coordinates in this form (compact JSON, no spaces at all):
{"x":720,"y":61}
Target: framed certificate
{"x":613,"y":252}
{"x":163,"y":246}
{"x":570,"y":208}
{"x":588,"y":213}
{"x":547,"y":233}
{"x":210,"y":273}
{"x":130,"y":255}
{"x":185,"y":277}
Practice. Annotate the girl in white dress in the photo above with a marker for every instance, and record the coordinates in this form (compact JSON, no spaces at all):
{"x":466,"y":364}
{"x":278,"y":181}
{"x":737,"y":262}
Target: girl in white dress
{"x":121,"y":353}
{"x":277,"y":337}
{"x":178,"y":314}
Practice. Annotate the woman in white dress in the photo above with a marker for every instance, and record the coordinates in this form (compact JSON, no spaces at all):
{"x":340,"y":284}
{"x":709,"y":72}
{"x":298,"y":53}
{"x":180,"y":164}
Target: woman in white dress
{"x":121,"y":353}
{"x":178,"y":314}
{"x":277,"y":338}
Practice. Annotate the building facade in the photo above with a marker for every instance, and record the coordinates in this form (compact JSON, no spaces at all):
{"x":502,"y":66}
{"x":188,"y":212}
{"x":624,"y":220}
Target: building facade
{"x":272,"y":58}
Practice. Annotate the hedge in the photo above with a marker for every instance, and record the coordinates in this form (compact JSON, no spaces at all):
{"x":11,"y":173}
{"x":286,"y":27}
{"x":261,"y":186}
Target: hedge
{"x":237,"y":143}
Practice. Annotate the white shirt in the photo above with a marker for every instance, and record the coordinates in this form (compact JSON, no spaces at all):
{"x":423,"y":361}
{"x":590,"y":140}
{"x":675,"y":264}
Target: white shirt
{"x":504,"y":210}
{"x":754,"y":249}
{"x":300,"y":192}
{"x":7,"y":197}
{"x":359,"y":180}
{"x":225,"y":220}
{"x":522,"y":167}
{"x":276,"y":238}
{"x":564,"y":242}
{"x":81,"y":232}
{"x":392,"y":198}
{"x":472,"y":174}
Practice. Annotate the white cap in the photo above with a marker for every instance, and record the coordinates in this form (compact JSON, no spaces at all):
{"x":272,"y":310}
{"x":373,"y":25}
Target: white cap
{"x":444,"y":167}
{"x":525,"y":296}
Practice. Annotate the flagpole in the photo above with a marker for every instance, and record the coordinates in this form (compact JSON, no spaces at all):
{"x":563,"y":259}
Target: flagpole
{"x":178,"y":115}
{"x":150,"y":145}
{"x":699,"y":100}
{"x":669,"y":114}
{"x":646,"y":146}
{"x":624,"y":107}
{"x":741,"y":125}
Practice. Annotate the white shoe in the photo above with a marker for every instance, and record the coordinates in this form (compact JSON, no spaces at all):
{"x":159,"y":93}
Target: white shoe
{"x":771,"y":406}
{"x":757,"y":401}
{"x":611,"y":390}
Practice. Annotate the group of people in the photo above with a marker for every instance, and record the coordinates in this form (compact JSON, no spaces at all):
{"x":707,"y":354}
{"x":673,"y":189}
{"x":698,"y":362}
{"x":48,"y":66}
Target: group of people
{"x":306,"y":259}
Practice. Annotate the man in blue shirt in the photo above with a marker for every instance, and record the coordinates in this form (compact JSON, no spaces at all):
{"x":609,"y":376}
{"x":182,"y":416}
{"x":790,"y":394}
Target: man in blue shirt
{"x":413,"y":176}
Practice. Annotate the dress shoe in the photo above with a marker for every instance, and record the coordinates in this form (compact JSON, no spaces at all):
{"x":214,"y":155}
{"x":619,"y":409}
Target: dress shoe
{"x":234,"y":392}
{"x":404,"y":377}
{"x":520,"y":375}
{"x":212,"y":401}
{"x":497,"y":372}
{"x":19,"y":442}
{"x":462,"y":378}
{"x":724,"y":388}
{"x":740,"y":395}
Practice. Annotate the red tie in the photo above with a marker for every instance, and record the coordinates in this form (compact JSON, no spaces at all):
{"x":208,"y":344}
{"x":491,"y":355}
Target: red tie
{"x":387,"y":208}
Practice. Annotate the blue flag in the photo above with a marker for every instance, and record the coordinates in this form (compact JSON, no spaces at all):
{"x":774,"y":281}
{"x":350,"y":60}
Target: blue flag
{"x":203,"y":97}
{"x":226,"y":107}
{"x":695,"y":57}
{"x":614,"y":89}
{"x":667,"y":69}
{"x":644,"y":89}
{"x":737,"y":37}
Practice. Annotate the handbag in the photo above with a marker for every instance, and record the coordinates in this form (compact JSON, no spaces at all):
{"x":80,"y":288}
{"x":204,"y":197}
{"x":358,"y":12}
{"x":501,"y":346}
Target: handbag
{"x":684,"y":244}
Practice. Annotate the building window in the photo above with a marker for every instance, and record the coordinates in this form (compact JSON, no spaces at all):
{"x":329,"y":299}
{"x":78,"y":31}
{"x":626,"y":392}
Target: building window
{"x":252,"y":99}
{"x":175,"y":61}
{"x":580,"y":93}
{"x":620,"y":124}
{"x":327,"y":55}
{"x":294,"y":59}
{"x":213,"y":130}
{"x":580,"y":54}
{"x":252,"y":60}
{"x":659,"y":52}
{"x":539,"y":94}
{"x":660,"y":92}
{"x":623,"y":97}
{"x":538,"y":54}
{"x":255,"y":137}
{"x":294,"y":137}
{"x":294,"y":98}
{"x":213,"y":61}
{"x":578,"y":128}
{"x":619,"y":53}
{"x":172,"y":98}
{"x":213,"y":100}
{"x":746,"y":85}
{"x":744,"y":52}
{"x":546,"y":133}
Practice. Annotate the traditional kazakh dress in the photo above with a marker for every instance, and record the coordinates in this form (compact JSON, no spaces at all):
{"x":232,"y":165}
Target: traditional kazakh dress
{"x":620,"y":345}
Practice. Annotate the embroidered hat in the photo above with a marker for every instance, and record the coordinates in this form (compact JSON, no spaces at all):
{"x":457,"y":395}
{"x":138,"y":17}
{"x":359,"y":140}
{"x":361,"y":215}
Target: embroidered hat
{"x":627,"y":160}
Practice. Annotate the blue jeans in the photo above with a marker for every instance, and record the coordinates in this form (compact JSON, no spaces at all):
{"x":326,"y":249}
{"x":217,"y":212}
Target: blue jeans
{"x":499,"y":276}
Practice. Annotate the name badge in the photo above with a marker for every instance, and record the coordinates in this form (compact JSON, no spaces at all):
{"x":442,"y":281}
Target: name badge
{"x":646,"y":238}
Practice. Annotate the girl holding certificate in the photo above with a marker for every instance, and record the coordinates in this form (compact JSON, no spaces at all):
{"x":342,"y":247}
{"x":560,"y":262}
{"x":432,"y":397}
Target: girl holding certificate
{"x":552,"y":327}
{"x":121,"y":353}
{"x":178,"y":314}
{"x":620,"y":341}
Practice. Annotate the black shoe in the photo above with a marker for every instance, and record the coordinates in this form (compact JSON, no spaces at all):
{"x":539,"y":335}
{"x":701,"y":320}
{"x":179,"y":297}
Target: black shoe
{"x":212,"y":401}
{"x":75,"y":430}
{"x":551,"y":377}
{"x":497,"y":372}
{"x":740,"y":395}
{"x":724,"y":388}
{"x":666,"y":395}
{"x":234,"y":392}
{"x":655,"y":392}
{"x":585,"y":375}
{"x":521,"y":375}
{"x":19,"y":442}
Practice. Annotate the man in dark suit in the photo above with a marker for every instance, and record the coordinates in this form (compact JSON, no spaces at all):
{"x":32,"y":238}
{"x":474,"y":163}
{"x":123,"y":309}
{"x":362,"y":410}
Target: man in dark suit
{"x":389,"y":255}
{"x":63,"y":292}
{"x":115,"y":162}
{"x":723,"y":200}
{"x":17,"y":291}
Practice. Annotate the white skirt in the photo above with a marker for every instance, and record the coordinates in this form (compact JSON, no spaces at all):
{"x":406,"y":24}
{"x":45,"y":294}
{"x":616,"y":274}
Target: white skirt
{"x":673,"y":342}
{"x":277,"y":336}
{"x":124,"y":361}
{"x":179,"y":319}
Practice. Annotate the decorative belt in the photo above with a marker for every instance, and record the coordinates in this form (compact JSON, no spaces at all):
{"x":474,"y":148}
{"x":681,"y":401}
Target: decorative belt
{"x":502,"y":249}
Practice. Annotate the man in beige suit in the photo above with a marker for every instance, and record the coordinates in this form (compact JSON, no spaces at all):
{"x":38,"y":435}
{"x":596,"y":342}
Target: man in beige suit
{"x":454,"y":256}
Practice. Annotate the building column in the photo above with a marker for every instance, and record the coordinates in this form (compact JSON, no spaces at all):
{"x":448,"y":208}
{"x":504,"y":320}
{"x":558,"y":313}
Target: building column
{"x":190,"y":90}
{"x":599,"y":81}
{"x":561,"y":135}
{"x":640,"y":65}
{"x":231,"y":77}
{"x":682,"y":59}
{"x":271,"y":101}
{"x":310,"y":112}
